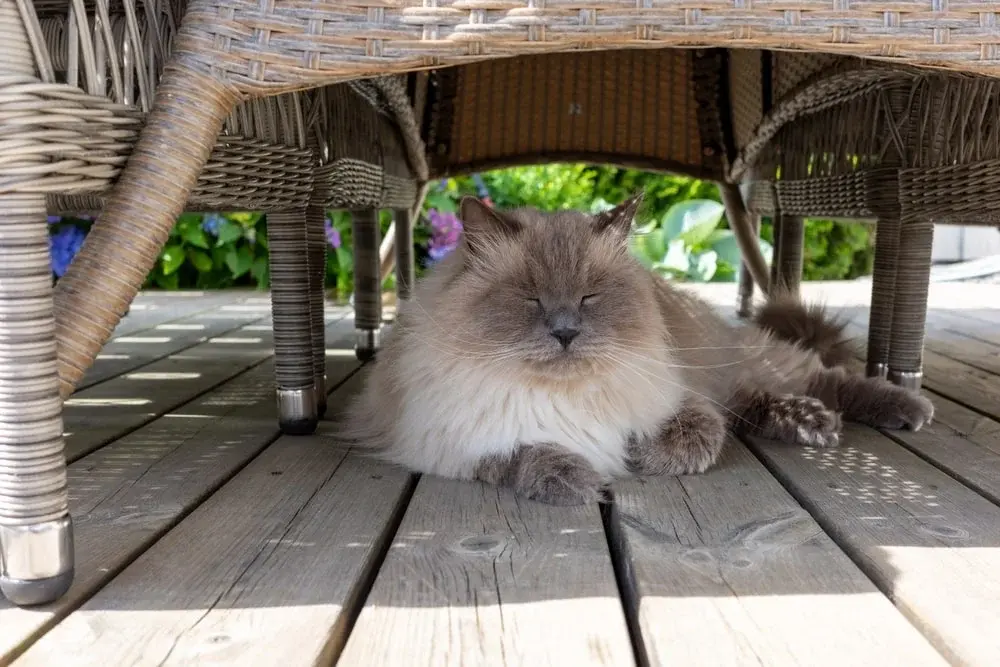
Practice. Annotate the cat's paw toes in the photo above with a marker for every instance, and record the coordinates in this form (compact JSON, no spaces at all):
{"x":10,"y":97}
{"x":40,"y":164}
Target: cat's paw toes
{"x":559,"y":478}
{"x":904,"y":409}
{"x":687,"y":454}
{"x":565,"y":490}
{"x":810,"y":422}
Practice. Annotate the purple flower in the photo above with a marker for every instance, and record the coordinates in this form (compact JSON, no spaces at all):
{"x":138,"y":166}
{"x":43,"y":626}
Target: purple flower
{"x":211,"y":223}
{"x":332,"y":234}
{"x":63,"y":246}
{"x":446,"y":232}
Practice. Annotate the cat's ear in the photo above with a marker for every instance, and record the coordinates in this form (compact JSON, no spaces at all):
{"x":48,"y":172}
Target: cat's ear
{"x":619,"y":219}
{"x":481,"y":222}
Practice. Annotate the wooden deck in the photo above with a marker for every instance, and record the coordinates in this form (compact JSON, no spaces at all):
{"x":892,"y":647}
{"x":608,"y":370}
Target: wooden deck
{"x":203,"y":538}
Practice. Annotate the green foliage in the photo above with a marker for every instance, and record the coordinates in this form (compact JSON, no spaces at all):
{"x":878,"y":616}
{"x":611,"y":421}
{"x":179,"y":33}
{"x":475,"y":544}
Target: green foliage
{"x":687,"y":243}
{"x":683,"y":232}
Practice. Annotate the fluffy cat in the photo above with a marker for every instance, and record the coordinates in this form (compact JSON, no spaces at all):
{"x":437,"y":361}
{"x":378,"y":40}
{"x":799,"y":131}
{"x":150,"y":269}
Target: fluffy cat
{"x":541,"y":356}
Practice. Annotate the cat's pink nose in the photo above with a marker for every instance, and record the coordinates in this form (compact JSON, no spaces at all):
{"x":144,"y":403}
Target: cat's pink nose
{"x":565,"y":336}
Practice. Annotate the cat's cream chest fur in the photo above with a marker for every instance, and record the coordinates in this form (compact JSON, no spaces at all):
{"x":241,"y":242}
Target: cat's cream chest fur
{"x":456,"y":411}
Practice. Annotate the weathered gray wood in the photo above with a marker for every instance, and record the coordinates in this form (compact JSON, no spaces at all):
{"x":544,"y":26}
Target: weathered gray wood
{"x":476,"y":576}
{"x":930,"y":542}
{"x":726,"y":568}
{"x":127,"y":353}
{"x":126,"y":495}
{"x":961,"y":382}
{"x":964,"y":443}
{"x":261,"y":573}
{"x":99,"y":414}
{"x":152,"y":308}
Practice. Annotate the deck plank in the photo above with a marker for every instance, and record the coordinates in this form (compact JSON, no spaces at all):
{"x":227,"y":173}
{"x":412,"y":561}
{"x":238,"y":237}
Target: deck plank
{"x":127,"y":353}
{"x":968,"y":385}
{"x":476,"y":576}
{"x":99,"y":414}
{"x":152,"y":308}
{"x":261,"y":573}
{"x":726,"y":568}
{"x":126,"y":495}
{"x":930,"y":542}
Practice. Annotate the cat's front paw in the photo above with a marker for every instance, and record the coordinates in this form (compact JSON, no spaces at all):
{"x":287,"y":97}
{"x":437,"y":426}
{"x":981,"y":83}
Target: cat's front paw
{"x":811,"y":423}
{"x":553,"y":475}
{"x":688,"y":443}
{"x":901,"y":408}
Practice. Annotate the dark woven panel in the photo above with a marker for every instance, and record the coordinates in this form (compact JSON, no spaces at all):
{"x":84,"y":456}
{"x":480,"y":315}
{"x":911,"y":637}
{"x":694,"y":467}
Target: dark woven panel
{"x":624,"y":107}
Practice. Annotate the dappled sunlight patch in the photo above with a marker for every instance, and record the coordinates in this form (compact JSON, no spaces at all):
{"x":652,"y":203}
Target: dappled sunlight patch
{"x":872,"y":479}
{"x":107,"y":402}
{"x":143,"y":340}
{"x":150,"y":375}
{"x":180,"y":327}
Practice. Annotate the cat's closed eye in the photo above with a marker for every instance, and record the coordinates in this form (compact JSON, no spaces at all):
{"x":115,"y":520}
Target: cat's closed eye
{"x":589,"y":299}
{"x":533,"y":301}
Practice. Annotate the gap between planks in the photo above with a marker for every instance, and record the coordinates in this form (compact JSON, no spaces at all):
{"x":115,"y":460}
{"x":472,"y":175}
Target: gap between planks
{"x":263,"y":572}
{"x":124,"y":496}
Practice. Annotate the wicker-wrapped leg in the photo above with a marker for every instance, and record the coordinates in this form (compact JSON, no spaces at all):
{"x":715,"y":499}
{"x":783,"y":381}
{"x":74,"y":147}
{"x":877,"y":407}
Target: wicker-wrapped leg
{"x":883,"y":294}
{"x":788,"y":260}
{"x":316,"y":236}
{"x":291,"y":312}
{"x":36,"y":535}
{"x":744,"y":305}
{"x":367,"y":283}
{"x":405,"y":268}
{"x":909,"y":313}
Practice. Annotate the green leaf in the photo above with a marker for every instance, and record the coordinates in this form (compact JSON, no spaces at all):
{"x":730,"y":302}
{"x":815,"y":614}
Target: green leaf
{"x":345,"y":260}
{"x":244,"y":218}
{"x":726,"y":247}
{"x":676,"y":257}
{"x":703,"y":266}
{"x":261,"y":272}
{"x":194,"y":235}
{"x":692,"y":221}
{"x":171,"y":259}
{"x":229,"y":232}
{"x":239,"y":261}
{"x":200,"y":260}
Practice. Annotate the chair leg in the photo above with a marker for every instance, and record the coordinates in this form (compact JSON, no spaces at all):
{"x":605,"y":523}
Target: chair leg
{"x":367,"y":283}
{"x":405,"y":267}
{"x":909,"y":313}
{"x":316,"y":238}
{"x":744,"y":305}
{"x":880,"y":317}
{"x":291,"y":313}
{"x":36,"y":534}
{"x":790,"y":259}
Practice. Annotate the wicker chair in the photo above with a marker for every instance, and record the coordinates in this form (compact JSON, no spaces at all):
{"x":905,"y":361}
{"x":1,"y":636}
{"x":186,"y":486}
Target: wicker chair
{"x":73,"y":98}
{"x":744,"y":118}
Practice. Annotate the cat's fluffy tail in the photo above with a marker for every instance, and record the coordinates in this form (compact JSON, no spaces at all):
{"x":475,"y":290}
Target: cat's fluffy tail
{"x":809,"y":325}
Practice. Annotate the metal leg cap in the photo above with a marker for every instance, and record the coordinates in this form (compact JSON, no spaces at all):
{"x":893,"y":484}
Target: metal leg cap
{"x":32,"y":592}
{"x":877,"y":369}
{"x":298,"y":426}
{"x":907,"y":379}
{"x":297,"y":411}
{"x":364,"y":353}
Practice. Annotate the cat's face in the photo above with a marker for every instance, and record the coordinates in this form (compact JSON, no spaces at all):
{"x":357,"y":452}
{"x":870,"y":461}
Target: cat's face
{"x":556,"y":291}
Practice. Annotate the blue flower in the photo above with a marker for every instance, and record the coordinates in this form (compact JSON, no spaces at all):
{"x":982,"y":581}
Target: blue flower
{"x":211,"y":223}
{"x":63,"y":246}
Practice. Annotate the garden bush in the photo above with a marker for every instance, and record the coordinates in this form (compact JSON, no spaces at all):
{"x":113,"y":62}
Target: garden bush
{"x":682,"y":231}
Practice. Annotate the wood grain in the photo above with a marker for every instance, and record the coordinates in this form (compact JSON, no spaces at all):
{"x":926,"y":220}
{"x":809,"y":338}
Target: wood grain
{"x":930,"y":542}
{"x":152,"y":308}
{"x":127,"y":494}
{"x":128,"y":353}
{"x":726,"y":568}
{"x":97,"y":415}
{"x":971,"y":386}
{"x":476,"y":576}
{"x":258,"y":575}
